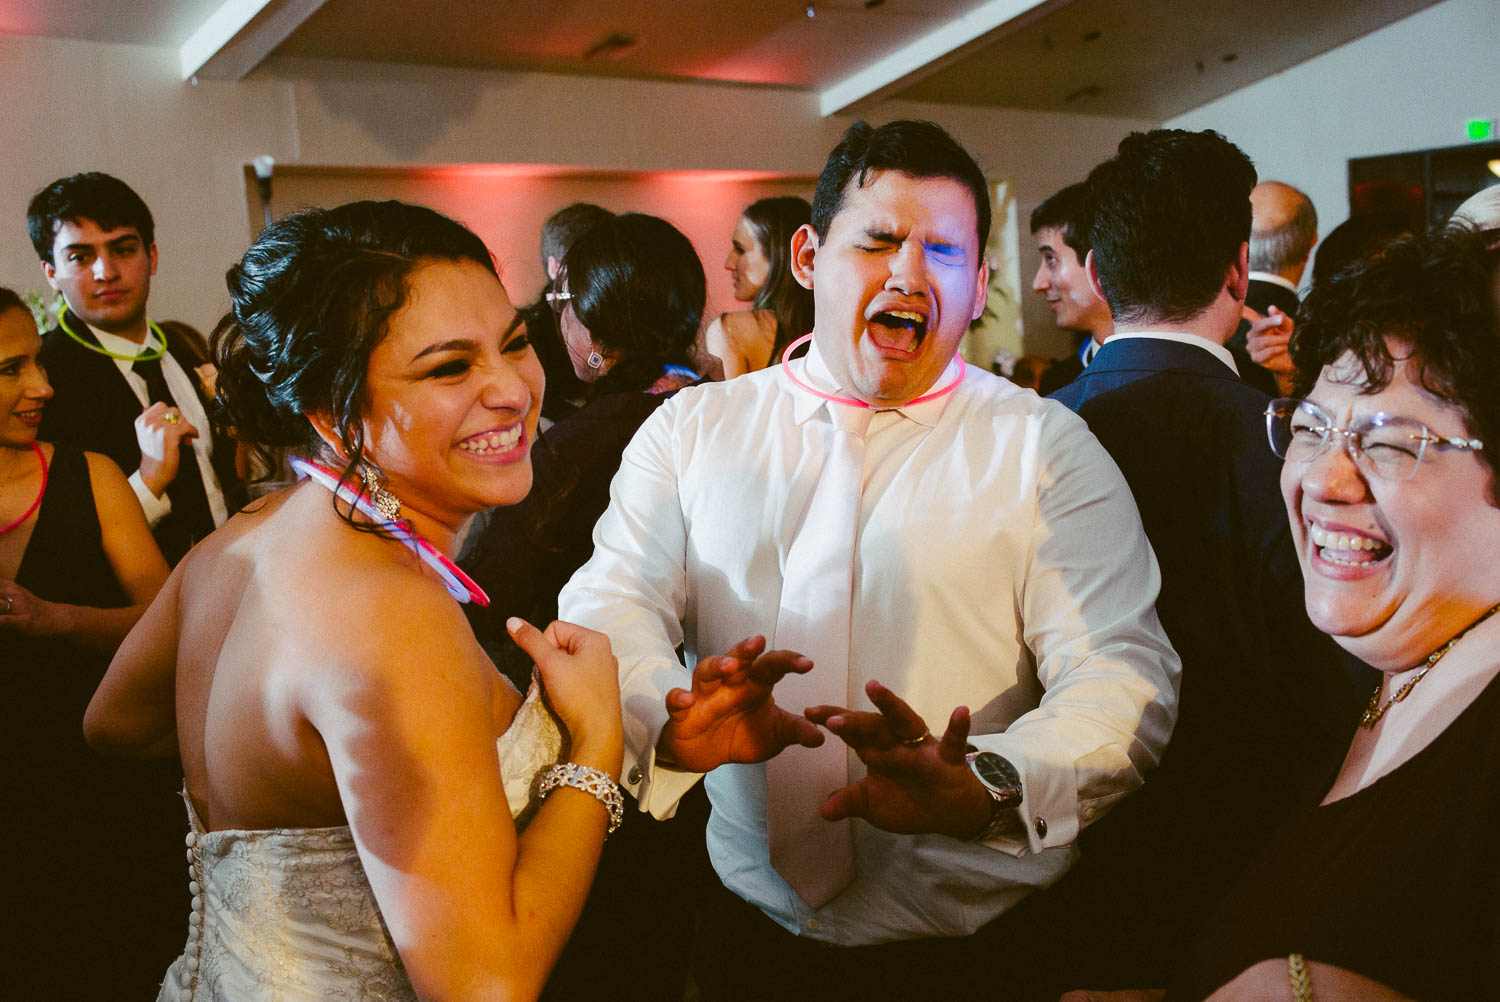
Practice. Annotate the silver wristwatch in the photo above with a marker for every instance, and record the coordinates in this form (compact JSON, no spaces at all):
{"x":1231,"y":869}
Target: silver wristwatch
{"x":1003,"y":783}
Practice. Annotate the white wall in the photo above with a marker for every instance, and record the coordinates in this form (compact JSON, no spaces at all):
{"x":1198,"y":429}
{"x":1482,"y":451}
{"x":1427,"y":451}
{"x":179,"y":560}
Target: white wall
{"x":1409,"y":86}
{"x":72,"y":106}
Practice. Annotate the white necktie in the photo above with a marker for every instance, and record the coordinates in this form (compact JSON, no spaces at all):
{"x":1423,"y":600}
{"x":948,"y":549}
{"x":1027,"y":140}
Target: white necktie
{"x":814,"y":856}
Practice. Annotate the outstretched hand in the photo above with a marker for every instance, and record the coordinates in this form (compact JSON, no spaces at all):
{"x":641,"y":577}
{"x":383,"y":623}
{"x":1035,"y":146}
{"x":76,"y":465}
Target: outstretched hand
{"x":915,"y":782}
{"x":729,"y":714}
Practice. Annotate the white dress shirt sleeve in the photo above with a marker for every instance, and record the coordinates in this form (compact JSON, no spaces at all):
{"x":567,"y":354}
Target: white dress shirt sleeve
{"x":634,"y":589}
{"x":156,"y":508}
{"x":1088,"y":612}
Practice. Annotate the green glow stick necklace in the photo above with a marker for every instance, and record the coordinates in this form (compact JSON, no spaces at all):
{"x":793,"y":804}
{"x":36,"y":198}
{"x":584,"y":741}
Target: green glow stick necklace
{"x":145,"y":356}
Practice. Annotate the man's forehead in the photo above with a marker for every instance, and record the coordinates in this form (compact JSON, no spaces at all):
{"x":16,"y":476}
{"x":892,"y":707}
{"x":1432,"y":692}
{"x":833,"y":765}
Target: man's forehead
{"x":1048,"y":238}
{"x":1054,"y":239}
{"x":82,"y":230}
{"x":885,"y":196}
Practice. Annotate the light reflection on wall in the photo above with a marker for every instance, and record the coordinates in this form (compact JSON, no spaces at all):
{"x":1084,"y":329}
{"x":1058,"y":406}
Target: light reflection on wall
{"x":507,"y":203}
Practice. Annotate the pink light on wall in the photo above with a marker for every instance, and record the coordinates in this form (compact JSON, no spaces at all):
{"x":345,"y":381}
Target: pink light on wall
{"x":506,"y":205}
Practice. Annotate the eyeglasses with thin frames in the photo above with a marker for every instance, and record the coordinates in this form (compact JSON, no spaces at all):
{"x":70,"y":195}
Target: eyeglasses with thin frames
{"x":1380,"y":444}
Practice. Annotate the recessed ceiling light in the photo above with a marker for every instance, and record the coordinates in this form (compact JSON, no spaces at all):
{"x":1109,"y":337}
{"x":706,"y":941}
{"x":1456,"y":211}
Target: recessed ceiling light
{"x":1494,"y":166}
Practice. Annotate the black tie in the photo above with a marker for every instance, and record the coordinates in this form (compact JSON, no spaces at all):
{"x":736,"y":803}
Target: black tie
{"x":189,"y":501}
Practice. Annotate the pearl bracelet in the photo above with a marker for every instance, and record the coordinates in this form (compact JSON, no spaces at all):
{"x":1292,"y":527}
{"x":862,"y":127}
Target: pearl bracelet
{"x":589,"y":780}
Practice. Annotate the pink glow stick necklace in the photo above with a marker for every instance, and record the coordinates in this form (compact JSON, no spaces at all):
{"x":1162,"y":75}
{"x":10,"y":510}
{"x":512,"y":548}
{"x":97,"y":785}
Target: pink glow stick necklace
{"x":786,"y":367}
{"x":459,"y":585}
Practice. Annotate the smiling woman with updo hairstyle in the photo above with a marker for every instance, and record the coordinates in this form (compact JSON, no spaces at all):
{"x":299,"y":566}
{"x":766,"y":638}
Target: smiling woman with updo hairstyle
{"x":760,"y":261}
{"x":353,"y":761}
{"x":1390,"y":887}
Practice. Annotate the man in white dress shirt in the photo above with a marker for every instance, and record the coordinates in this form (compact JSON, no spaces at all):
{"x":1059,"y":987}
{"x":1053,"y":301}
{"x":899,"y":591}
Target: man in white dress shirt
{"x":1002,"y":592}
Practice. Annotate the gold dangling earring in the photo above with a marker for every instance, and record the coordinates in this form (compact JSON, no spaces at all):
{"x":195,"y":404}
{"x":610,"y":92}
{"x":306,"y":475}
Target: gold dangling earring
{"x":386,"y":504}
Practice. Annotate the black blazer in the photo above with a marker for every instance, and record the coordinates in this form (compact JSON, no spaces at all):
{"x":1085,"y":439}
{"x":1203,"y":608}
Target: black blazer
{"x":94,"y":408}
{"x":1266,"y":702}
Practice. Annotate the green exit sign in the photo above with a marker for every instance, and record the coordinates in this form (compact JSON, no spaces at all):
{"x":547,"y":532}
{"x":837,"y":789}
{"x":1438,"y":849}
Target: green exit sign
{"x":1480,"y":129}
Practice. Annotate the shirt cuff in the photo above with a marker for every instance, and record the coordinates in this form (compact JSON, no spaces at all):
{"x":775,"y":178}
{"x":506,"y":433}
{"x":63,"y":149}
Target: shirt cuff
{"x":1049,"y":799}
{"x":156,"y":508}
{"x":656,"y":786}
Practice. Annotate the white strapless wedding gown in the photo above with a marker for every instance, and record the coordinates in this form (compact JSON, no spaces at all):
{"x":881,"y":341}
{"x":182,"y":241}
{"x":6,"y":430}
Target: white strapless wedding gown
{"x":286,"y":914}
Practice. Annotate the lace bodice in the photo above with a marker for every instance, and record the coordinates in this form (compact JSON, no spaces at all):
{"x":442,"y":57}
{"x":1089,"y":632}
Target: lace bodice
{"x":287,"y":914}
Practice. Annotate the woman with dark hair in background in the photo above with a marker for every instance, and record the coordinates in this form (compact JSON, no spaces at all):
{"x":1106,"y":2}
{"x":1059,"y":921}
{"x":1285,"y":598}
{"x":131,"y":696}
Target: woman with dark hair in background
{"x":353,"y":762}
{"x":78,"y":567}
{"x":630,"y":298}
{"x":760,"y":260}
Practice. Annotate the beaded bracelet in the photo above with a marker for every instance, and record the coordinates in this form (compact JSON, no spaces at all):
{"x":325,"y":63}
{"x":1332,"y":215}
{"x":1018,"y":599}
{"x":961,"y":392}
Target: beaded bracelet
{"x":592,"y":781}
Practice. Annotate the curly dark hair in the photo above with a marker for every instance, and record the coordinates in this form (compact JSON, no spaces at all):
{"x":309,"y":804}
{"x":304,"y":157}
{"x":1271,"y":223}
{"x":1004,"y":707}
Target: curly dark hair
{"x":310,"y":300}
{"x":772,"y":222}
{"x":1435,"y":292}
{"x":637,"y":285}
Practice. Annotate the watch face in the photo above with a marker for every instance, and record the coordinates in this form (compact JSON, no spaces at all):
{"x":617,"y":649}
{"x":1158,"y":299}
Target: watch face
{"x":996,"y":772}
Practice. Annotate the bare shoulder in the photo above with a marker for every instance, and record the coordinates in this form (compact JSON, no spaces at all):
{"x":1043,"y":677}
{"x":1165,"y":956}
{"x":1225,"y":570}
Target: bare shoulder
{"x":107,"y":482}
{"x":102,"y":469}
{"x":750,"y":327}
{"x":369,"y":604}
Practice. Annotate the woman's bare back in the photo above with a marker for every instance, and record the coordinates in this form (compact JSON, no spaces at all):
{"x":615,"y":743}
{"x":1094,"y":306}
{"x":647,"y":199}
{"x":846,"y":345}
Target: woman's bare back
{"x":273,"y":617}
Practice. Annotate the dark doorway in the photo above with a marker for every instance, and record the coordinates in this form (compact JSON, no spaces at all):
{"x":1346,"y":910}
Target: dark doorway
{"x":1425,"y":186}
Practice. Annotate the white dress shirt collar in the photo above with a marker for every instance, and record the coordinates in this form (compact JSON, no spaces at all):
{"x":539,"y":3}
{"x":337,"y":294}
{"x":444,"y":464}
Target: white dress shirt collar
{"x":813,"y":370}
{"x":1266,"y":276}
{"x":123,"y":345}
{"x":1216,"y":350}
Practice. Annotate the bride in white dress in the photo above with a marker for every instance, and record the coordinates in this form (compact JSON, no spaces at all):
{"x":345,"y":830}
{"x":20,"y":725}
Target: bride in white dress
{"x":352,"y":759}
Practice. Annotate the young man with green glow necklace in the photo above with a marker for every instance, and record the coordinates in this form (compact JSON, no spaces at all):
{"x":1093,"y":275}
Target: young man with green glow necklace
{"x":121,"y":388}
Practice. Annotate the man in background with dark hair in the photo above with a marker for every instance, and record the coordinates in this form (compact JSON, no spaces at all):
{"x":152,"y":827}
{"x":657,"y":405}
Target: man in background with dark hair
{"x":1283,"y":230}
{"x":565,"y":391}
{"x":122,"y":387}
{"x":1061,"y":228}
{"x":876,"y":523}
{"x":1264,"y":699}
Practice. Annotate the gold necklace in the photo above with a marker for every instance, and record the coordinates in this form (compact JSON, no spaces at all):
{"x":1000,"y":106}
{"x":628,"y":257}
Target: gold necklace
{"x":1375,"y":710}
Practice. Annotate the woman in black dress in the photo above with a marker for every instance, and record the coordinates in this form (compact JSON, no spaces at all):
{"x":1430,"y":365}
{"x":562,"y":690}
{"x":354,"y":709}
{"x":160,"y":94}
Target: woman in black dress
{"x":89,"y":844}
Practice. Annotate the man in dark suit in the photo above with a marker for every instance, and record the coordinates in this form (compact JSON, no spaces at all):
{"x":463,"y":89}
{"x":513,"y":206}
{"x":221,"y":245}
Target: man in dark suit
{"x":1060,"y":226}
{"x":1283,"y":230}
{"x":122,"y":388}
{"x":1265,"y":701}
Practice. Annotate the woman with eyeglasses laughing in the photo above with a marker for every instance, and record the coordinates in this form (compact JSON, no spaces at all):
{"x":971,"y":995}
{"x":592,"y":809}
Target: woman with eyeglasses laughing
{"x":1390,"y":887}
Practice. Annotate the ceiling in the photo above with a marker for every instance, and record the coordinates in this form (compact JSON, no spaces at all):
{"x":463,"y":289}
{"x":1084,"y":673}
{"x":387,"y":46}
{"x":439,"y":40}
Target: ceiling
{"x":1152,"y":59}
{"x":1147,"y":59}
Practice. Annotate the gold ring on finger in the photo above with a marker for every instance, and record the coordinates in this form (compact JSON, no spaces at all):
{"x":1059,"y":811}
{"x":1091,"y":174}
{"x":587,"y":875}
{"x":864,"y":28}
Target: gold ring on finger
{"x":172,"y":417}
{"x":913,"y":742}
